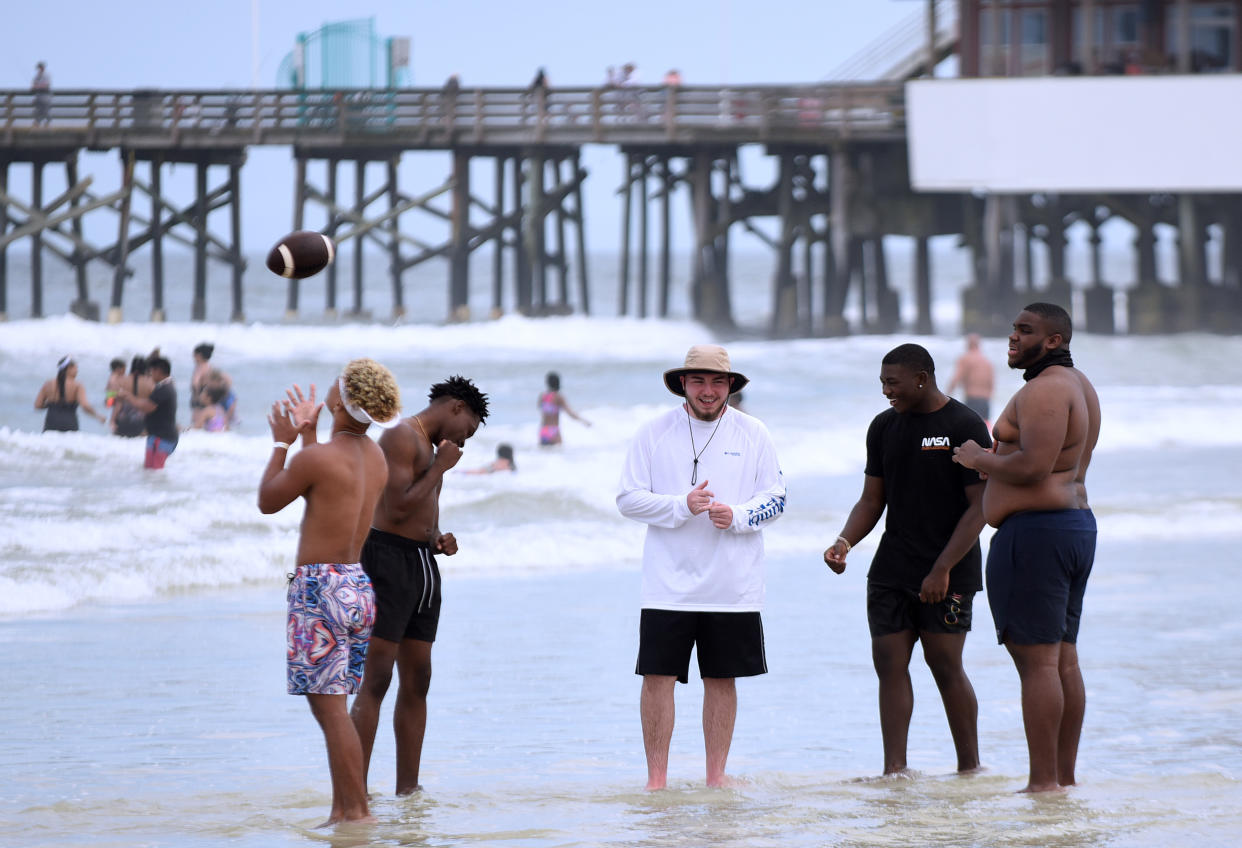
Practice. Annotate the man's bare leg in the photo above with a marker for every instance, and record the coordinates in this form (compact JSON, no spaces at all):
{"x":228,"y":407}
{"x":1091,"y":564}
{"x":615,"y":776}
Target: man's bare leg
{"x":943,"y":654}
{"x":409,"y":717}
{"x":719,"y":714}
{"x":349,"y":791}
{"x":891,"y":657}
{"x":657,"y":710}
{"x":376,"y":677}
{"x":1074,"y":693}
{"x":1043,"y":702}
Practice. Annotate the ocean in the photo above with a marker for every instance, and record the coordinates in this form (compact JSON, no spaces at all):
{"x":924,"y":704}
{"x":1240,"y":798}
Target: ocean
{"x":144,"y":612}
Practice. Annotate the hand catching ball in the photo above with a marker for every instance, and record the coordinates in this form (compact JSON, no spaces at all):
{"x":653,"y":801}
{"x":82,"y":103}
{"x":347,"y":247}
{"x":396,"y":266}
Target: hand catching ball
{"x":301,"y":254}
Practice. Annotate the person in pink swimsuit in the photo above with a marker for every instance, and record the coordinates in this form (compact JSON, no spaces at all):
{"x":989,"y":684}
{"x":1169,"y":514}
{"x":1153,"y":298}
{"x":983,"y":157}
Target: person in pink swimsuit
{"x":551,"y":404}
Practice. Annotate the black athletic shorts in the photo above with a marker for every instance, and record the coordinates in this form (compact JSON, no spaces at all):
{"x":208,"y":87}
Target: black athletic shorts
{"x":730,"y":644}
{"x":1038,"y":565}
{"x":407,"y":586}
{"x":894,"y":610}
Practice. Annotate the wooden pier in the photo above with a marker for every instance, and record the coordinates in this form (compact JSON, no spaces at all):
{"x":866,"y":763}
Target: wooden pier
{"x":843,"y":187}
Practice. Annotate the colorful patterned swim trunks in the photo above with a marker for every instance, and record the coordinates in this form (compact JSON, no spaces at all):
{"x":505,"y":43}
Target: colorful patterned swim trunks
{"x":331,"y":612}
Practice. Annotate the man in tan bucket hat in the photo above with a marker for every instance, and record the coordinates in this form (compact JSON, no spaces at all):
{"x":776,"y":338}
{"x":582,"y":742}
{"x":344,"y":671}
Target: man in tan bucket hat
{"x":705,"y":479}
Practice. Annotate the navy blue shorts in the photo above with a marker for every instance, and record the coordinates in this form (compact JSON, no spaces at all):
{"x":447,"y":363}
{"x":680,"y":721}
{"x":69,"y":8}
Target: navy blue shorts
{"x":1038,"y":565}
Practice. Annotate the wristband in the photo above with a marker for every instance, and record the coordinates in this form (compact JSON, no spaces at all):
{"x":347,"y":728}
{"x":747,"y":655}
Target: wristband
{"x":845,"y":542}
{"x":284,"y":445}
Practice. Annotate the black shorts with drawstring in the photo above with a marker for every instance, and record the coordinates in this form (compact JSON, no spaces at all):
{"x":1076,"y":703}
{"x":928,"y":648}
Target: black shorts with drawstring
{"x":892,"y":609}
{"x":406,"y":581}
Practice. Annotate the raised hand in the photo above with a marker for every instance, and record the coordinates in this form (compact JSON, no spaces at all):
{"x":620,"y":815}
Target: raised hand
{"x":699,"y":499}
{"x":303,"y":409}
{"x":447,"y":454}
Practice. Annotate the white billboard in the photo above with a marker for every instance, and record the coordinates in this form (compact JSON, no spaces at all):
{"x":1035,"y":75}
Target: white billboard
{"x":1076,"y":134}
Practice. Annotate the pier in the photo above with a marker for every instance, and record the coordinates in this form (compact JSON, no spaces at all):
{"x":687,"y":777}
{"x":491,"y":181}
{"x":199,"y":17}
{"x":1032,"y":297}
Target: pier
{"x":844,"y":186}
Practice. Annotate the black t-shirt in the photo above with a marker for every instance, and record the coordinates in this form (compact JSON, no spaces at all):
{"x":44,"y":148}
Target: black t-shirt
{"x":924,"y":493}
{"x":162,"y":421}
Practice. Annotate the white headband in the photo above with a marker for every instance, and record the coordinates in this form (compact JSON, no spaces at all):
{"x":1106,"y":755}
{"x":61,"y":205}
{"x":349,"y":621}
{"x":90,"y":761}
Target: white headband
{"x":360,"y":415}
{"x":65,"y":362}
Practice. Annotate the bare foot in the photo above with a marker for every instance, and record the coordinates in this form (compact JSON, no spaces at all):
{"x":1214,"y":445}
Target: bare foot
{"x":1032,"y":788}
{"x":333,"y":822}
{"x":727,"y":782}
{"x":418,"y":787}
{"x":656,"y":785}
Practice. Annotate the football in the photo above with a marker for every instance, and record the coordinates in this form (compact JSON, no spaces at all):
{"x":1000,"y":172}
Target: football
{"x":301,"y":254}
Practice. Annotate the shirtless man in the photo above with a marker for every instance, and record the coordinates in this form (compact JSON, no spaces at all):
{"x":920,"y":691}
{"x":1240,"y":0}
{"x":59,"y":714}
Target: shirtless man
{"x":331,"y":604}
{"x":398,"y":557}
{"x":1041,"y":555}
{"x":973,"y":373}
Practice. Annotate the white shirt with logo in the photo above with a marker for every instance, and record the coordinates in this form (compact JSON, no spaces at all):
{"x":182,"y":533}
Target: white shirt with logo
{"x":688,"y":563}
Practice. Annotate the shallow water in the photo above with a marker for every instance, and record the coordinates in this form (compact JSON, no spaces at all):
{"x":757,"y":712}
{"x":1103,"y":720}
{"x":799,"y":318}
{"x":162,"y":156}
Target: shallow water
{"x":144,"y":613}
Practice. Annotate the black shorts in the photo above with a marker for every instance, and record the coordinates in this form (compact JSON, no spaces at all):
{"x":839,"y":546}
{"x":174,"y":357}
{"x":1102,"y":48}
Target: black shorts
{"x":730,"y":644}
{"x":407,"y":586}
{"x":1038,"y":565}
{"x":895,"y":610}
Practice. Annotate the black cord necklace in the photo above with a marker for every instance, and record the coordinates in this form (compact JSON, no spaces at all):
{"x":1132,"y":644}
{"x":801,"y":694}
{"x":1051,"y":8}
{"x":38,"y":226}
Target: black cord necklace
{"x":694,"y":474}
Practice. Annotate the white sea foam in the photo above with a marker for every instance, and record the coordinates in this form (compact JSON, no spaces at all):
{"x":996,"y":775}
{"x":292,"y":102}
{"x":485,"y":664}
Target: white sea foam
{"x":81,"y":522}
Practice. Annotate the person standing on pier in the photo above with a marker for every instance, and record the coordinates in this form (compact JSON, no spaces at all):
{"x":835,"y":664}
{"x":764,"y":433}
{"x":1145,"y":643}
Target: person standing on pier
{"x":399,"y":557}
{"x":706,"y":481}
{"x":331,"y":605}
{"x":926,"y":570}
{"x":1041,"y":554}
{"x":41,"y":85}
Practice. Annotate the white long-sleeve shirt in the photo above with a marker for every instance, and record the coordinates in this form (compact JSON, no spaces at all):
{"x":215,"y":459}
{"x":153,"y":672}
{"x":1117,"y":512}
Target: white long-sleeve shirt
{"x":688,"y":563}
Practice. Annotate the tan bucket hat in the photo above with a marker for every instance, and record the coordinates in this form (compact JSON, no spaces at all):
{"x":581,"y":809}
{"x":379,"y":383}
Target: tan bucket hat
{"x":700,"y":358}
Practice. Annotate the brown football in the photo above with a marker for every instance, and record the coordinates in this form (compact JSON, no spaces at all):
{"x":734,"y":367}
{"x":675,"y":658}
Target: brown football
{"x":301,"y":254}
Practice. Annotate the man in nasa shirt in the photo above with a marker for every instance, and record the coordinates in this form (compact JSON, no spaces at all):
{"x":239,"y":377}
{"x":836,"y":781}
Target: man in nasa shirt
{"x":927,"y":567}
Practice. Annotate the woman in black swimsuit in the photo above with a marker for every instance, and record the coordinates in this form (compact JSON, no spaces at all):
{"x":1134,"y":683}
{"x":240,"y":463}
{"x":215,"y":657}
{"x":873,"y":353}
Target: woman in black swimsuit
{"x":62,"y":396}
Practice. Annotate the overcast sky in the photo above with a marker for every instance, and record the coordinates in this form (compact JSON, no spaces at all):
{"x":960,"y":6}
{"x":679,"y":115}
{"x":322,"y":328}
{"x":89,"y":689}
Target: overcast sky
{"x":160,"y":44}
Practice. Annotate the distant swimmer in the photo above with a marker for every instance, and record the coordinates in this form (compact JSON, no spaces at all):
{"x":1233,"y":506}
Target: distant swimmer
{"x":927,"y":568}
{"x":331,"y":606}
{"x":705,"y":479}
{"x":974,"y":374}
{"x":61,"y":396}
{"x":399,"y":557}
{"x":116,"y":378}
{"x":502,"y":462}
{"x":1041,"y":555}
{"x":551,"y":404}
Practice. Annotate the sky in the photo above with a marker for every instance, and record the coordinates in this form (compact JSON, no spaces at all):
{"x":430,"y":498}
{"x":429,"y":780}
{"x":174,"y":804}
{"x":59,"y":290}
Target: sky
{"x":157,"y":44}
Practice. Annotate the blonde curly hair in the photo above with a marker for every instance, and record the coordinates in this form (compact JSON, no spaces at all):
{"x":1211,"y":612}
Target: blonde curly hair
{"x":372,"y":388}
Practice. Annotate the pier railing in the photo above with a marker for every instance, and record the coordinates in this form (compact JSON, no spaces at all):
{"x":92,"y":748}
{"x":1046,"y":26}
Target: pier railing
{"x":442,"y":117}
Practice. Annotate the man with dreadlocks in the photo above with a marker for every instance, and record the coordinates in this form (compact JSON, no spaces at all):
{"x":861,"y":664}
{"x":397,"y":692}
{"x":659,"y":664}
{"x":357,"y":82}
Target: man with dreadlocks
{"x":399,"y":557}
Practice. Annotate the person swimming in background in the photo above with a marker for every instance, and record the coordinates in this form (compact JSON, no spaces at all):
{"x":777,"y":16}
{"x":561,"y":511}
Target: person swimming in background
{"x":128,"y":420}
{"x":116,"y":379}
{"x":551,"y":403}
{"x":502,"y":462}
{"x":213,"y":417}
{"x":217,"y":403}
{"x":198,"y":380}
{"x":61,"y":396}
